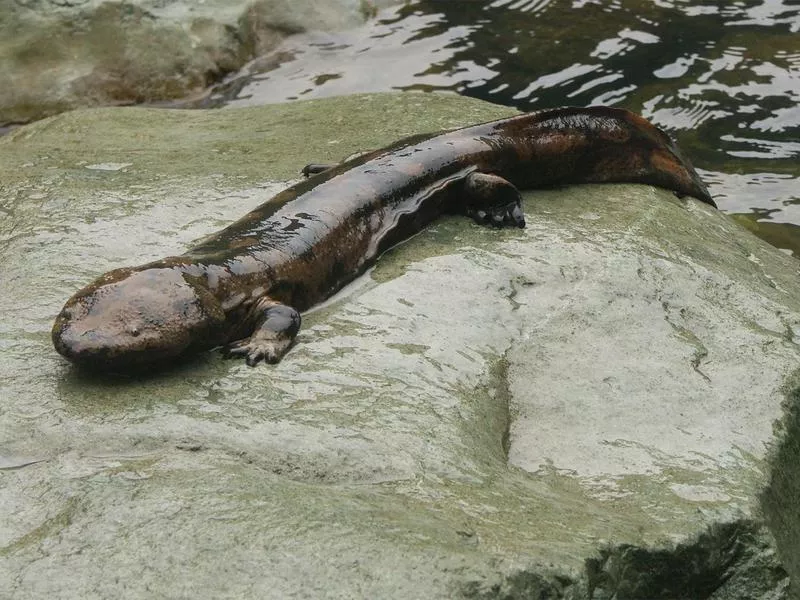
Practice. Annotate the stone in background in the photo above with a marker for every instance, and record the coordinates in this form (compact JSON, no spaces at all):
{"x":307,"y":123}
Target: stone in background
{"x":56,"y":55}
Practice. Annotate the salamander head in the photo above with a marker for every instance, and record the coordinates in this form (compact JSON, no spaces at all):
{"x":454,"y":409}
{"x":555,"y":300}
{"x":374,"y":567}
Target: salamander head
{"x":133,"y":318}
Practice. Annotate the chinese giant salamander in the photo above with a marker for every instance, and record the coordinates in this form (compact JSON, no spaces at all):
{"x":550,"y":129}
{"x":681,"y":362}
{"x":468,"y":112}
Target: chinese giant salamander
{"x":244,"y":287}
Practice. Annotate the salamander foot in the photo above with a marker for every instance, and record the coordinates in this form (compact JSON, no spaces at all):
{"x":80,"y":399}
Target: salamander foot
{"x":492,"y":200}
{"x":273,"y":337}
{"x":499,"y":216}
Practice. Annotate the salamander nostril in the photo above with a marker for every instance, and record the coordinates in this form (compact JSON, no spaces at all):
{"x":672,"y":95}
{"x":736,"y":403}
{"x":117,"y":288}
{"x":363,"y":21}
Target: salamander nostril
{"x":134,"y":331}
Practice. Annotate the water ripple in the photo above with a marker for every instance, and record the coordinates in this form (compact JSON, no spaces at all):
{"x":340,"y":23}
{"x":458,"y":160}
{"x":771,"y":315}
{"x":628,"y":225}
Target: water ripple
{"x":722,"y":77}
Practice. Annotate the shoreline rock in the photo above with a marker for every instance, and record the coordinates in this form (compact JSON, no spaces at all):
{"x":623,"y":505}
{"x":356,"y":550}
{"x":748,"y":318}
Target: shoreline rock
{"x":601,"y":405}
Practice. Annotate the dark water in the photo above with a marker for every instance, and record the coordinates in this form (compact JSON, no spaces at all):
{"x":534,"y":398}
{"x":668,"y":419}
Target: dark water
{"x":723,"y":77}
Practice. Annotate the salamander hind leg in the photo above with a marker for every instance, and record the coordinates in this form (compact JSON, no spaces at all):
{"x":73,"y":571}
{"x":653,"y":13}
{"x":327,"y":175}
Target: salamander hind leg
{"x":492,"y":200}
{"x":274,"y":333}
{"x":314,"y":168}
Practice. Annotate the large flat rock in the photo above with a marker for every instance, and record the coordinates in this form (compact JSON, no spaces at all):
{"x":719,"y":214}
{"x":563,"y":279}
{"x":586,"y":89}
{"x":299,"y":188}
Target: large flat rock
{"x":602,"y":405}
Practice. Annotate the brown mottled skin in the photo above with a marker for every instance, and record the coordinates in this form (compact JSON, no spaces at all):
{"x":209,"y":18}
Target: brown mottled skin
{"x":243,"y":287}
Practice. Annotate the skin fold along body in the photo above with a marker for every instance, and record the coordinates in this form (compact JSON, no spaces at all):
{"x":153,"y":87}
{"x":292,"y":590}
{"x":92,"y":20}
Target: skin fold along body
{"x":244,"y":287}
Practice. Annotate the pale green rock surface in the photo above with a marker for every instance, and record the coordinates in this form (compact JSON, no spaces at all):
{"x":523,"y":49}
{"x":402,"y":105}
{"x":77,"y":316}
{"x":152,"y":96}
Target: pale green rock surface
{"x":598,"y":406}
{"x":56,"y":55}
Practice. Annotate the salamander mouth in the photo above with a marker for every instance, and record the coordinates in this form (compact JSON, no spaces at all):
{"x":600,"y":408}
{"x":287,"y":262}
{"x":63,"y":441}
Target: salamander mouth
{"x":93,"y":351}
{"x":131,"y":319}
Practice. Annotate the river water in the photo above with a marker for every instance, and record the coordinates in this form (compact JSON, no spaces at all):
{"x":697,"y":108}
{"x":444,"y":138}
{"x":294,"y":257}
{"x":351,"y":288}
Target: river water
{"x":721,"y":76}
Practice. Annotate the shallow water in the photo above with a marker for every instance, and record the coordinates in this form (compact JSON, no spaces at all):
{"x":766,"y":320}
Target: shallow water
{"x":722,"y":77}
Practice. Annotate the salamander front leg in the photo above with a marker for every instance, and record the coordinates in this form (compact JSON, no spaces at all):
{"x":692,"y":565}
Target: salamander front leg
{"x":274,"y":333}
{"x":492,"y":200}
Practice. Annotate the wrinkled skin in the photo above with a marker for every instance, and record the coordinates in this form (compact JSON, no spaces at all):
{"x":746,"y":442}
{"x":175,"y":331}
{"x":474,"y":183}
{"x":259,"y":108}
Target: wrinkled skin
{"x":244,"y":287}
{"x":125,"y":316}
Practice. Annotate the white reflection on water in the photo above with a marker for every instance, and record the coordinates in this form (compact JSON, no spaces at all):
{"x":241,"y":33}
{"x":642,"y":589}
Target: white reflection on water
{"x":551,"y":80}
{"x":377,"y":58}
{"x":677,"y":115}
{"x":773,"y":193}
{"x":757,"y":148}
{"x":522,"y":5}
